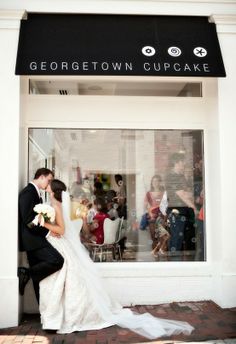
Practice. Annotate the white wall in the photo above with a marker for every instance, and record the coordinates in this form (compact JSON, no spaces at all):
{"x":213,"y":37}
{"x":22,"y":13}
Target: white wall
{"x":172,"y":7}
{"x":227,"y":127}
{"x":9,"y":171}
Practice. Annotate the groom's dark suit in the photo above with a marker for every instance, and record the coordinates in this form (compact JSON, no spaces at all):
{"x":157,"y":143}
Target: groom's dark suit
{"x":43,"y":258}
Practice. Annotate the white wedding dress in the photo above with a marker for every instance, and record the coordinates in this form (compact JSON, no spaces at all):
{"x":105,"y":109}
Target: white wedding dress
{"x":74,"y":299}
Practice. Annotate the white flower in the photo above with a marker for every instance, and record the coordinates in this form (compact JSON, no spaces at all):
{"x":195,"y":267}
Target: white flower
{"x":47,"y":214}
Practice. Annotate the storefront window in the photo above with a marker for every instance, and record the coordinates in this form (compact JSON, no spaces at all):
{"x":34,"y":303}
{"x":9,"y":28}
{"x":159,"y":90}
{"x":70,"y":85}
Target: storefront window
{"x":150,"y":183}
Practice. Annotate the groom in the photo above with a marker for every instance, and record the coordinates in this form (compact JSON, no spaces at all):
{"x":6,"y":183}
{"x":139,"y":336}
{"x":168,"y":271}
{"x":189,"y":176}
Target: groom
{"x":42,"y":257}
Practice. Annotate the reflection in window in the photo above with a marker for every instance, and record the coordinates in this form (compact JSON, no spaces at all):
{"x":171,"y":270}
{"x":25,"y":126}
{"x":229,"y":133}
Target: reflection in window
{"x":141,"y":189}
{"x":115,"y":88}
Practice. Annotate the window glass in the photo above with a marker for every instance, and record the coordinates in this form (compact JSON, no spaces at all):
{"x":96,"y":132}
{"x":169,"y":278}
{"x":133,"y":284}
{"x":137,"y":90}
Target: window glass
{"x":115,"y":88}
{"x":149,"y":183}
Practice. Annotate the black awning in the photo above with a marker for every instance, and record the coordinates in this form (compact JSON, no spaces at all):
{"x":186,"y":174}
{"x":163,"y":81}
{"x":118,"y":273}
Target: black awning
{"x":85,"y":44}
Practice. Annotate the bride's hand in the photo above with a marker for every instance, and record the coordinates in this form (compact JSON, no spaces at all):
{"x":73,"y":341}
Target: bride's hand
{"x":41,"y":220}
{"x":55,"y":234}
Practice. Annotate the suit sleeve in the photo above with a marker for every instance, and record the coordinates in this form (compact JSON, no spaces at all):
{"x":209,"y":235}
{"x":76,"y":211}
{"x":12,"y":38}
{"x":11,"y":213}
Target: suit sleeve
{"x":26,"y":205}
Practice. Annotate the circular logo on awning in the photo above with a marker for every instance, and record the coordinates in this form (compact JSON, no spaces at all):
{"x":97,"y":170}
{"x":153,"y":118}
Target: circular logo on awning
{"x":148,"y":50}
{"x":200,"y":52}
{"x":174,"y":51}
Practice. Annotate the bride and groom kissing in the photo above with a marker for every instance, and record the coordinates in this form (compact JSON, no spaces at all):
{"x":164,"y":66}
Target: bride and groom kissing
{"x":69,"y":291}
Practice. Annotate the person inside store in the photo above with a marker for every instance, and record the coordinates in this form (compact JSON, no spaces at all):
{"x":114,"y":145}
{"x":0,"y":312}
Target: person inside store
{"x":121,"y":196}
{"x":199,"y":255}
{"x":112,"y":204}
{"x":96,"y":227}
{"x":162,"y":235}
{"x":98,"y":190}
{"x":153,"y":200}
{"x":180,"y":202}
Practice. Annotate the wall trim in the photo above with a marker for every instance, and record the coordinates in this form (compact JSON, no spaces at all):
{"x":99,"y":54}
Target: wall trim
{"x":138,"y":7}
{"x":224,"y":23}
{"x":10,"y":19}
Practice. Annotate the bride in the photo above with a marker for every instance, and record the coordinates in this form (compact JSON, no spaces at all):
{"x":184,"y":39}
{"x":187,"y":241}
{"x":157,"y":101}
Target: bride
{"x":74,"y":299}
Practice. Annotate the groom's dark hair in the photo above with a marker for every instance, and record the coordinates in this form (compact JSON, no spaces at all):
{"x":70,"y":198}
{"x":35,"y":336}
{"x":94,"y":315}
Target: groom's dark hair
{"x":42,"y":172}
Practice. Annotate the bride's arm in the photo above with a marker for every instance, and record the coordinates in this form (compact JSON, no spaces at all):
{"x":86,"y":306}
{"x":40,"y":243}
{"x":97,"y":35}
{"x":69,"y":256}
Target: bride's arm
{"x":58,"y":227}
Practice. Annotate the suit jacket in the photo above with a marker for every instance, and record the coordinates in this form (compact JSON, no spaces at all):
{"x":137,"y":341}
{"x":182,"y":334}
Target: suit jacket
{"x":30,"y":238}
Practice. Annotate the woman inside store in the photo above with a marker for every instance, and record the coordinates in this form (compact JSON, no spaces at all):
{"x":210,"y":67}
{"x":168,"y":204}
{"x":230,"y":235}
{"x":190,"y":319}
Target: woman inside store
{"x":153,"y":205}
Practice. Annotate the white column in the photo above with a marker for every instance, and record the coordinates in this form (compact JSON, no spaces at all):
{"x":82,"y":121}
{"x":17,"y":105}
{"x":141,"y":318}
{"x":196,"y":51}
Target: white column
{"x":9,"y":171}
{"x":226,"y":27}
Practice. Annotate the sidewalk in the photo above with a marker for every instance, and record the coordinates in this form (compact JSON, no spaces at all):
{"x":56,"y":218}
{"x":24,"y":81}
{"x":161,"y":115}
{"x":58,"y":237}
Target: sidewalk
{"x":211,"y":323}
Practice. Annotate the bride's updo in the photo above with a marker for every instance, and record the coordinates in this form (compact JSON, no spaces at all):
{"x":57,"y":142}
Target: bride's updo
{"x":57,"y":187}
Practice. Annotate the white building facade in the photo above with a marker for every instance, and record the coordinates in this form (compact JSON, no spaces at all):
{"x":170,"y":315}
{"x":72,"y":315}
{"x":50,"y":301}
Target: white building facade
{"x":136,"y":282}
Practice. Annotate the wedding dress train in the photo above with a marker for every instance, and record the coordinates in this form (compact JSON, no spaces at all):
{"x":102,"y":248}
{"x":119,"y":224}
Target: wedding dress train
{"x":74,"y":299}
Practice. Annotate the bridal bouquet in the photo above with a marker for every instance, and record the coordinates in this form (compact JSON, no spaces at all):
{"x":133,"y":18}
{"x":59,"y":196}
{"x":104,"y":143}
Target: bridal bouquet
{"x":45,"y":213}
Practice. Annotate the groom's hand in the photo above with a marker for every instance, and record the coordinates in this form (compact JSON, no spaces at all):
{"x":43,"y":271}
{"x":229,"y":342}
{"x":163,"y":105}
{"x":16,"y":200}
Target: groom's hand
{"x":31,"y":225}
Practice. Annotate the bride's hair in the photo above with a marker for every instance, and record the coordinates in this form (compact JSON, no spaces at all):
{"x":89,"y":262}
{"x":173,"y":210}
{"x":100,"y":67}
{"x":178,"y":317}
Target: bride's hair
{"x":57,"y":187}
